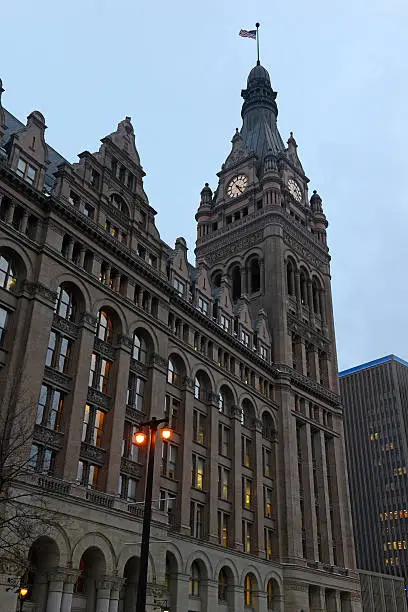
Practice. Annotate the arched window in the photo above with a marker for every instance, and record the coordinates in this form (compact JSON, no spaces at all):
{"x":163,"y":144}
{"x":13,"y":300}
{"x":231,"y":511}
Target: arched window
{"x":255,"y":275}
{"x":217,"y":280}
{"x":236,"y":283}
{"x":247,"y":414}
{"x":118,"y":202}
{"x":290,"y":278}
{"x":64,"y":306}
{"x":303,"y":288}
{"x":249,"y":588}
{"x":139,"y":351}
{"x":221,"y":402}
{"x":104,"y":330}
{"x":195,"y":580}
{"x":222,"y":585}
{"x":7,"y":273}
{"x":197,"y":388}
{"x":268,"y":429}
{"x":269,"y":595}
{"x":171,"y":373}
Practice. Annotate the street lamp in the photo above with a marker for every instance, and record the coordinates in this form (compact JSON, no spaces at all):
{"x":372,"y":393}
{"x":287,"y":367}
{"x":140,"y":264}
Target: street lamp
{"x":140,"y":438}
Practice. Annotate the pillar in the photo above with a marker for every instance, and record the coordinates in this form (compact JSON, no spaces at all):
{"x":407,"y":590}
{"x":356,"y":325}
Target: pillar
{"x":70,"y":250}
{"x":182,"y":586}
{"x":115,"y":419}
{"x":103,"y":588}
{"x":213,"y":469}
{"x":237,"y":477}
{"x":107,"y":274}
{"x":309,"y":496}
{"x":81,"y":257}
{"x":55,"y":587}
{"x":184,"y":494}
{"x":237,"y":595}
{"x":262,"y":601}
{"x":310,"y":297}
{"x":66,"y":603}
{"x":298,"y":289}
{"x":317,"y":599}
{"x":24,"y":221}
{"x":74,"y":411}
{"x":114,"y":594}
{"x":296,"y":596}
{"x":211,"y":594}
{"x":10,"y":212}
{"x":259,"y":509}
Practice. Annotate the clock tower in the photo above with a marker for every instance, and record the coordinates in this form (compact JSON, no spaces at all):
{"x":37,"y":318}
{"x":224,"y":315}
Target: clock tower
{"x":262,"y":237}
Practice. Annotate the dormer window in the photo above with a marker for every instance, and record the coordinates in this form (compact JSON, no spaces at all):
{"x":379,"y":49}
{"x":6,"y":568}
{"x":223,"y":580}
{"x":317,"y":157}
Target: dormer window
{"x":122,"y":174}
{"x":203,"y":306}
{"x":26,"y":171}
{"x":244,"y":337}
{"x":74,"y":199}
{"x":95,"y":179}
{"x":114,"y":167}
{"x":179,"y":286}
{"x":263,"y":352}
{"x":141,"y":251}
{"x":89,"y":211}
{"x":225,"y":323}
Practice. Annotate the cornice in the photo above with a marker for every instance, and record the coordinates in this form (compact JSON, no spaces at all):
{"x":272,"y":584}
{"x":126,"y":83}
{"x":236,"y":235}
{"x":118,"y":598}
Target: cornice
{"x":307,"y":331}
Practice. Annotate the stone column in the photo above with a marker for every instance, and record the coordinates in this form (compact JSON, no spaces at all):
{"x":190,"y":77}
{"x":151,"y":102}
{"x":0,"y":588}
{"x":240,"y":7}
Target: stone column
{"x":262,"y":275}
{"x":211,"y":594}
{"x":10,"y":212}
{"x":70,"y":250}
{"x":298,"y":291}
{"x":237,"y":597}
{"x":24,"y":222}
{"x":310,"y":494}
{"x":262,"y":601}
{"x":154,"y":406}
{"x":103,"y":588}
{"x":318,"y":600}
{"x":259,"y":499}
{"x":115,"y":594}
{"x":185,"y":474}
{"x":82,"y":257}
{"x":107,"y":274}
{"x":74,"y":411}
{"x":115,"y":419}
{"x":296,"y":596}
{"x":55,"y":587}
{"x":310,"y":298}
{"x":323,"y":494}
{"x":66,"y":603}
{"x":213,"y":468}
{"x":182,"y":585}
{"x":303,"y":358}
{"x":237,"y":477}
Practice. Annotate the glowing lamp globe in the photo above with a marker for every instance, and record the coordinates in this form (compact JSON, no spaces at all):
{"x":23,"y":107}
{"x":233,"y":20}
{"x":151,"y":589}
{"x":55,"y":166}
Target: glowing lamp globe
{"x":23,"y":591}
{"x":166,"y":433}
{"x":140,"y":437}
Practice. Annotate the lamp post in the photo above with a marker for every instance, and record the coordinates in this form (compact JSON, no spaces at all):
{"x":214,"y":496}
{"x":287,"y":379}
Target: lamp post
{"x":140,"y":438}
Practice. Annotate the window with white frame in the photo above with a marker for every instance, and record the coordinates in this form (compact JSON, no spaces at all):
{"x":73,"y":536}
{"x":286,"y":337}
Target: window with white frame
{"x":26,"y":171}
{"x":244,"y":337}
{"x":223,"y":483}
{"x":197,"y":472}
{"x":169,"y":460}
{"x":196,"y":519}
{"x":203,"y":305}
{"x":179,"y":286}
{"x":225,"y":323}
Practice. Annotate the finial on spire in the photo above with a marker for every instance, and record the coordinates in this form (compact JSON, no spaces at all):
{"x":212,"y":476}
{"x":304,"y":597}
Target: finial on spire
{"x":257,"y":42}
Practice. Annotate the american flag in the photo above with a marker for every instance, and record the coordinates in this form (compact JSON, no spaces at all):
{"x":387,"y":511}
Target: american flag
{"x":248,"y":33}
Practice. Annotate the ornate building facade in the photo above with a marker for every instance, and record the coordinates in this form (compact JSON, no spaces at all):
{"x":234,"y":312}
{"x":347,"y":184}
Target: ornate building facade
{"x":102,"y":325}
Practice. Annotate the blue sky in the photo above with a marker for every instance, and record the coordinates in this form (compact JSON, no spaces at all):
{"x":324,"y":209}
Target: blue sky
{"x":177,"y":68}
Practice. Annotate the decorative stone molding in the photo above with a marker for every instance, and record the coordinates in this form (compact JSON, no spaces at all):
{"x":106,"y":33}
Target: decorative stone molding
{"x":189,"y":383}
{"x":138,"y":368}
{"x":54,"y":485}
{"x":105,"y":349}
{"x":101,"y":499}
{"x":126,"y":342}
{"x":134,"y":415}
{"x":158,"y":360}
{"x":131,"y":467}
{"x":213,"y":398}
{"x":97,"y":397}
{"x":40,"y":290}
{"x":57,"y":378}
{"x":308,"y":384}
{"x":48,"y":437}
{"x":307,"y":331}
{"x":89,"y":319}
{"x":303,"y":248}
{"x":67,"y":327}
{"x":293,"y":585}
{"x":93,"y":453}
{"x":105,"y":584}
{"x":236,"y":411}
{"x":237,"y":246}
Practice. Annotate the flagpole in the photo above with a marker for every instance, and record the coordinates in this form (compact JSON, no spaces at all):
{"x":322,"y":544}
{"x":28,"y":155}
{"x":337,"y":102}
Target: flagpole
{"x":257,"y":41}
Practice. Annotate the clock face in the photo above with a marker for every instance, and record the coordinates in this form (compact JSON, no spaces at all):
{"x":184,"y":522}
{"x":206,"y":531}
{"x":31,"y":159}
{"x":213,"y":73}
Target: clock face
{"x":237,"y":186}
{"x":295,"y":190}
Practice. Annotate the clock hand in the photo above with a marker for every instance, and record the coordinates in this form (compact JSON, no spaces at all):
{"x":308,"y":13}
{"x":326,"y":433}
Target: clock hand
{"x":238,"y":187}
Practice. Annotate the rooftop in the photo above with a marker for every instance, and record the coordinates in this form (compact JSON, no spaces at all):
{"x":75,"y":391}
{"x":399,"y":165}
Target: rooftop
{"x":371,"y":364}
